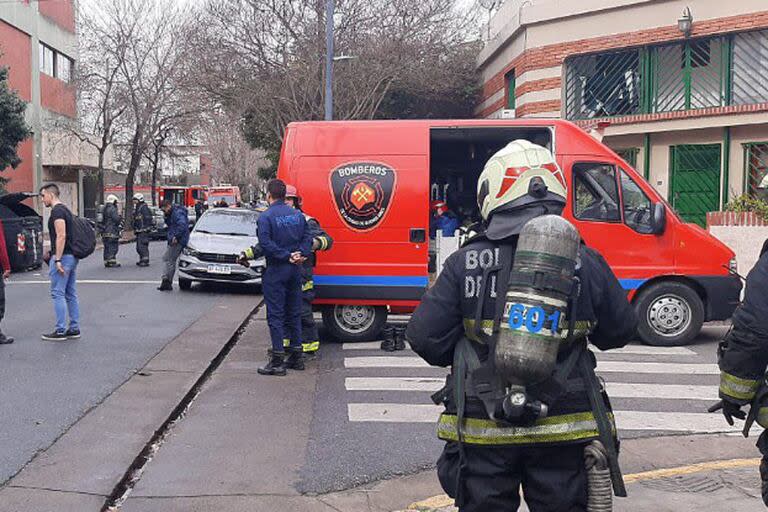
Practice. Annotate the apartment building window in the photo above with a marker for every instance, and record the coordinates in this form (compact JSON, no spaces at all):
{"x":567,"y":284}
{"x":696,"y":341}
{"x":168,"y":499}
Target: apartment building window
{"x":756,"y":169}
{"x":749,"y":73}
{"x":47,"y":60}
{"x":55,"y":64}
{"x":629,"y":155}
{"x":603,"y":85}
{"x":509,"y":78}
{"x":689,"y":75}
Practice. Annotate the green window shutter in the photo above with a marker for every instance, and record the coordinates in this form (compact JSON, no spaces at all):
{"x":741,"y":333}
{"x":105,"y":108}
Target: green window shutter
{"x":510,"y":79}
{"x":629,"y":155}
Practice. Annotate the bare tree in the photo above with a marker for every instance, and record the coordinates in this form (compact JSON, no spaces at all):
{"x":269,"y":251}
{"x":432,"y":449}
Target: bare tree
{"x":233,"y":160}
{"x":264,"y":59}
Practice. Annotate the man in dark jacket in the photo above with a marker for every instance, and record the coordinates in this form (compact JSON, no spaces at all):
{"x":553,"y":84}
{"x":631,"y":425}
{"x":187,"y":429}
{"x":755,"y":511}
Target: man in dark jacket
{"x":286,"y":242}
{"x":143,"y":223}
{"x":112,"y":225}
{"x":743,"y":358}
{"x":177,"y":220}
{"x":321,"y":241}
{"x":485,"y":460}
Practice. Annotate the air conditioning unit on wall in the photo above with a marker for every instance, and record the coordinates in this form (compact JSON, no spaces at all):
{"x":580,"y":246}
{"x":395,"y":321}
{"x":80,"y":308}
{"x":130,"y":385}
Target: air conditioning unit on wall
{"x":508,"y":113}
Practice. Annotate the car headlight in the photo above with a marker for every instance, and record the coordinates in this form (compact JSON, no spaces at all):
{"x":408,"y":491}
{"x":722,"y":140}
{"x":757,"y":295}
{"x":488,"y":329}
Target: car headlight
{"x":733,"y":267}
{"x":189,"y":251}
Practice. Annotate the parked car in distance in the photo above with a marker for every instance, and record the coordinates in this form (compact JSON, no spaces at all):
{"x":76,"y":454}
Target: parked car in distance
{"x":214,"y":245}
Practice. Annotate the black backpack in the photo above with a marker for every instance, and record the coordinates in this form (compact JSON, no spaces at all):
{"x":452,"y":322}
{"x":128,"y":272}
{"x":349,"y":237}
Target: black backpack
{"x":82,"y":237}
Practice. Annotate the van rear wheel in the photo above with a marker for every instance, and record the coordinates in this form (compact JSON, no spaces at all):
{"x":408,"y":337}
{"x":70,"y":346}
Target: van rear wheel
{"x":350,"y":323}
{"x":670,"y":314}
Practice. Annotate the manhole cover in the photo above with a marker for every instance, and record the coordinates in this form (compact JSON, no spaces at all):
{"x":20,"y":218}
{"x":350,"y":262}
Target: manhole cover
{"x":687,"y":483}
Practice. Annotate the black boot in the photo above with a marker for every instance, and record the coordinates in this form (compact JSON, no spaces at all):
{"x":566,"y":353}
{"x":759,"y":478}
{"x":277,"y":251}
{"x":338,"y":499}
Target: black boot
{"x":165,"y":286}
{"x":389,"y":343}
{"x":400,"y":338}
{"x":295,"y":359}
{"x":275,"y":366}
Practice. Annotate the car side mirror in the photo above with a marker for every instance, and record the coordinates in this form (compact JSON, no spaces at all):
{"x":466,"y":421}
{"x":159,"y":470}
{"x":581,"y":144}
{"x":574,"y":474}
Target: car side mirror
{"x":658,"y":218}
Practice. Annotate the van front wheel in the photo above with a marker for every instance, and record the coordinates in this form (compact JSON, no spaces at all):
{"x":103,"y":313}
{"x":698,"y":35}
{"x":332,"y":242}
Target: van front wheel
{"x":349,"y":323}
{"x":670,"y":314}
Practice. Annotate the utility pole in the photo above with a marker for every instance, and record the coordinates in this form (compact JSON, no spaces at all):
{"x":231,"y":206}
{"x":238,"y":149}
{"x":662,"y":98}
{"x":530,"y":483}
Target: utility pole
{"x":329,"y":10}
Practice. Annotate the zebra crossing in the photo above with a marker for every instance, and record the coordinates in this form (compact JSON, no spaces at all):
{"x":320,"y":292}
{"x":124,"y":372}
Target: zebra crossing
{"x":654,"y":390}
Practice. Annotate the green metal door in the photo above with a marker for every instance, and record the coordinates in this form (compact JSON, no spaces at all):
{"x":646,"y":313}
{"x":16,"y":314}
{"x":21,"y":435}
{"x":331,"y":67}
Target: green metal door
{"x":695,"y":180}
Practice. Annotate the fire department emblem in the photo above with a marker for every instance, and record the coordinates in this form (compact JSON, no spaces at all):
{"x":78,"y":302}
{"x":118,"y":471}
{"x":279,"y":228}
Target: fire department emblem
{"x":363,"y":192}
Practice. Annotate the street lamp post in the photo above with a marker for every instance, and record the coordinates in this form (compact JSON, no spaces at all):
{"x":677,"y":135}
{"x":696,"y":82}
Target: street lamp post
{"x":329,"y":10}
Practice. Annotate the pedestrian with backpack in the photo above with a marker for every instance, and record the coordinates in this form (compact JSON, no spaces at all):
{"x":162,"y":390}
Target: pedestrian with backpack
{"x":72,"y":239}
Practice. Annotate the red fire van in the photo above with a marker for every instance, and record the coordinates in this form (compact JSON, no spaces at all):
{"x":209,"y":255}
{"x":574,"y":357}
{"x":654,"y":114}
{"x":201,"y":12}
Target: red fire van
{"x":369,"y":183}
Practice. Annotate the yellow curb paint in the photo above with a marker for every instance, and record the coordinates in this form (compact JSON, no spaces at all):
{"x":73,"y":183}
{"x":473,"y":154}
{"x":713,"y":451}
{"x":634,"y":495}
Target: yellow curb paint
{"x":693,"y":468}
{"x":443,"y":500}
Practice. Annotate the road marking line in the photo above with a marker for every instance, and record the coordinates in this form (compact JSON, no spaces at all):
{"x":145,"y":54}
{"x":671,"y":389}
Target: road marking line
{"x":662,"y":391}
{"x":385,"y":362}
{"x":394,"y":383}
{"x":672,"y":368}
{"x":363,"y":345}
{"x":625,"y":420}
{"x":87,"y":281}
{"x":615,"y":389}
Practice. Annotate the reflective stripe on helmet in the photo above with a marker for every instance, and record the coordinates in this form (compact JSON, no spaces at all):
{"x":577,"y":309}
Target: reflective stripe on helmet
{"x":738,"y":388}
{"x":553,"y":429}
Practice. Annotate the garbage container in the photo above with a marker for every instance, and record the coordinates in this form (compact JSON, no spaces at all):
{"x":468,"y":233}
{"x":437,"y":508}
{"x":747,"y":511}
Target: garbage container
{"x":23,"y":229}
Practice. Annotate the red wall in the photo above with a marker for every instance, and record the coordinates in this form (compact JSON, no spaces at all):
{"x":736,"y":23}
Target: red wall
{"x":61,"y":12}
{"x":21,"y":177}
{"x":57,"y":96}
{"x":15,"y":47}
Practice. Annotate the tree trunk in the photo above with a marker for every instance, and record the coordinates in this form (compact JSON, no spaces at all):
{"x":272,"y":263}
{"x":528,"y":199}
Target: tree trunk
{"x":132,"y":168}
{"x":100,"y":170}
{"x":154,"y":179}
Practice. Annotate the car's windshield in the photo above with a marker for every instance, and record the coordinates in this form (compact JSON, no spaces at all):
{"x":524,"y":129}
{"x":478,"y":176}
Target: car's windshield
{"x":228,"y":222}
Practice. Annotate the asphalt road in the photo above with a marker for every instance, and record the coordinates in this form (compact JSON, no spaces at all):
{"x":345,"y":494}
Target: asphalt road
{"x":46,"y":386}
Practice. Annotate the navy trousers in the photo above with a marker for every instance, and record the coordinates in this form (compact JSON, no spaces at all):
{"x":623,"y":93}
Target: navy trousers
{"x":281,"y":286}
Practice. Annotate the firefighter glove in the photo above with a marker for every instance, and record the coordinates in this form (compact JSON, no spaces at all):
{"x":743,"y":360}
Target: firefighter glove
{"x":730,"y":410}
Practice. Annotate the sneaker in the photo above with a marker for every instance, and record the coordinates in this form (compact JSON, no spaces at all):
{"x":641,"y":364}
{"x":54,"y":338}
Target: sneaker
{"x":55,"y":336}
{"x":73,"y":334}
{"x":5,"y":340}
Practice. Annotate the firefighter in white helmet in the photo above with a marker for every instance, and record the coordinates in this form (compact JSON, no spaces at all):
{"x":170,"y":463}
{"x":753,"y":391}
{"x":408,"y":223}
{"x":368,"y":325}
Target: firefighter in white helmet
{"x":111,"y":227}
{"x":489,"y":453}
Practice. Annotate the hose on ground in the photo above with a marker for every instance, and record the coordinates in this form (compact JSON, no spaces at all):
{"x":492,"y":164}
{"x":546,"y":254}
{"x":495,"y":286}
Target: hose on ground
{"x":600,"y":490}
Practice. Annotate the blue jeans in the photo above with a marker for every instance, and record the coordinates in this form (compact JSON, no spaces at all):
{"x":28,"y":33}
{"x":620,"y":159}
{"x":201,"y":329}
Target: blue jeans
{"x":64,"y":294}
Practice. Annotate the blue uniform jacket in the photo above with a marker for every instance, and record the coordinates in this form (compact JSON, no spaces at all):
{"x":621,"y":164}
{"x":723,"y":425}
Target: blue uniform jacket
{"x":282,"y":230}
{"x":447,"y":223}
{"x":178,"y":225}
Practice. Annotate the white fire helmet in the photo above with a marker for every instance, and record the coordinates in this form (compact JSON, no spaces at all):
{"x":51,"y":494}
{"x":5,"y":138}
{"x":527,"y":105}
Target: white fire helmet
{"x":520,"y":182}
{"x":138,"y":196}
{"x":112,"y":198}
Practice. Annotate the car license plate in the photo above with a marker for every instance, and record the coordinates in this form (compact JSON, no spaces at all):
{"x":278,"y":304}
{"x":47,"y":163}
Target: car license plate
{"x":219,"y":269}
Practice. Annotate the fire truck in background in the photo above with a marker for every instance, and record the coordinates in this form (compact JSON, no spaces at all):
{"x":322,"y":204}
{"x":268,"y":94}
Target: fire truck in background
{"x":227,"y":193}
{"x":186,"y":196}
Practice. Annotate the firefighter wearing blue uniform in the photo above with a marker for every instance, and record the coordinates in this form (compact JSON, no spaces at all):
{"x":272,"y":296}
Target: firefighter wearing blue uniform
{"x":443,"y":220}
{"x":485,"y":460}
{"x":743,"y":358}
{"x":286,"y":243}
{"x":321,"y":241}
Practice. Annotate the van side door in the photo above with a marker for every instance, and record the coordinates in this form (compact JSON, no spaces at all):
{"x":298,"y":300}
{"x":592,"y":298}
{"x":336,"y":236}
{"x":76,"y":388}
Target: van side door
{"x":613,"y":215}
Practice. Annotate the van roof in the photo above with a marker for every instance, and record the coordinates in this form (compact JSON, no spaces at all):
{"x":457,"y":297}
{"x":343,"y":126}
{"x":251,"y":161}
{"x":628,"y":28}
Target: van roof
{"x":412,"y":133}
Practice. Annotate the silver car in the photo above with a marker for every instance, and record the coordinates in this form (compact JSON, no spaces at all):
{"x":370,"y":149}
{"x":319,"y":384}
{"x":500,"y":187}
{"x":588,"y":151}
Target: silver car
{"x":216,"y":241}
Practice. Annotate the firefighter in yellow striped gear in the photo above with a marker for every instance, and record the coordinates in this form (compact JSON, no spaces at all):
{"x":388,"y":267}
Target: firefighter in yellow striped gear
{"x":743,"y":359}
{"x":321,"y":241}
{"x":488,"y":457}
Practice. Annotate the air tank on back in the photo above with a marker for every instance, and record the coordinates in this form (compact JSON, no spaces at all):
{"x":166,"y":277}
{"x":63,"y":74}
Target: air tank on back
{"x":536,"y":303}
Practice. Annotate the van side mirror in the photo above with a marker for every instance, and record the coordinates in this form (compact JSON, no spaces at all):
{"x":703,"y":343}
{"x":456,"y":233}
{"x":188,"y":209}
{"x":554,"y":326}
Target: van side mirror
{"x":658,"y":218}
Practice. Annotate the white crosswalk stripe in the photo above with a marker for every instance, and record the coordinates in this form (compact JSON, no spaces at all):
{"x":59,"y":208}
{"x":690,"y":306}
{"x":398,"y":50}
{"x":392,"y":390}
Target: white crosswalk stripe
{"x":658,"y":389}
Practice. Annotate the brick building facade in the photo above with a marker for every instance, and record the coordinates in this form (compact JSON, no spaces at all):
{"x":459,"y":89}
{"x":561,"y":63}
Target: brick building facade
{"x":687,"y":110}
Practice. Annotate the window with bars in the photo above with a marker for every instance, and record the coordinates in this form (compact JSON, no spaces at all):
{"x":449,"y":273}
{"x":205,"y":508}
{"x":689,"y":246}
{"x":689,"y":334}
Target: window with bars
{"x":689,"y":75}
{"x":756,"y":169}
{"x":749,"y":72}
{"x":603,"y":85}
